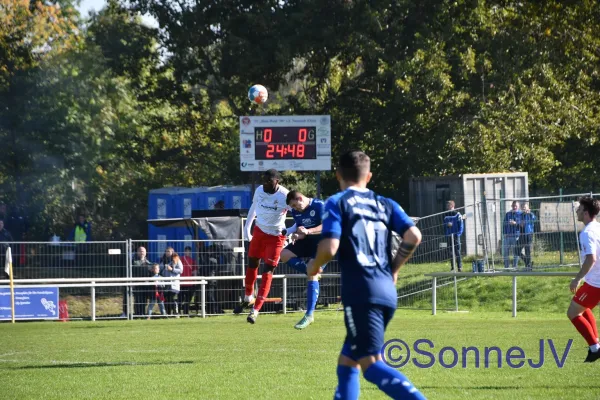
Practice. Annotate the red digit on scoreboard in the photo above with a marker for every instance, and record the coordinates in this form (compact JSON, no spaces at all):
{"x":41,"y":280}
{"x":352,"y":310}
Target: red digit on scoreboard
{"x":270,"y":150}
{"x":300,"y":151}
{"x":291,"y":149}
{"x":280,"y":149}
{"x":302,"y":135}
{"x":268,"y":135}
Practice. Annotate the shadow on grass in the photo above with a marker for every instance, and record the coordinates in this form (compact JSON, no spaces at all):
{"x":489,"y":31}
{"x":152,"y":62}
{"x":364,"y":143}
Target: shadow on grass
{"x":101,"y":364}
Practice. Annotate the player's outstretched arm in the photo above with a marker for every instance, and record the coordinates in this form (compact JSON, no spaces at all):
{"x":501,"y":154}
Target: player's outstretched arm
{"x":325,"y":253}
{"x":410,"y":241}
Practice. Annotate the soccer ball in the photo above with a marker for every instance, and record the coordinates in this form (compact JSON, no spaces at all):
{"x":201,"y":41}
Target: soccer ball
{"x":258,"y":94}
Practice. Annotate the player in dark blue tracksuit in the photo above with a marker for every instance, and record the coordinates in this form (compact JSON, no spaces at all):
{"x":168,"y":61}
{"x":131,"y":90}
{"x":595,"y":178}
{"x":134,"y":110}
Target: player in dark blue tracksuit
{"x":306,"y":234}
{"x":358,"y":226}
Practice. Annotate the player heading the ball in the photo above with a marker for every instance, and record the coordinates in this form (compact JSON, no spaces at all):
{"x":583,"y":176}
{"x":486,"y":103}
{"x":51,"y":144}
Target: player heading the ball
{"x":358,"y":225}
{"x":305,"y":235}
{"x":266,"y":240}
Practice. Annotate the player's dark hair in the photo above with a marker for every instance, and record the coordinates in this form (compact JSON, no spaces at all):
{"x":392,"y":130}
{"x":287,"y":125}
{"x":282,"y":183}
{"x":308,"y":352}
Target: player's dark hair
{"x":272,"y":174}
{"x":591,"y":205}
{"x":292,"y":195}
{"x":354,"y":165}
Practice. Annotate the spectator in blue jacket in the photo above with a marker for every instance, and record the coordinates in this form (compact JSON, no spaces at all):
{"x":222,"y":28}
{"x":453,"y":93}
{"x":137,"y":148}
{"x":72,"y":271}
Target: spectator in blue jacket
{"x":512,"y":231}
{"x":454,"y":228}
{"x":527,"y":230}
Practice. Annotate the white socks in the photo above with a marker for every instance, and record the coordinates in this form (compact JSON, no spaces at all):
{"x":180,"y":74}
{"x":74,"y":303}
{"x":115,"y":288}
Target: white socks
{"x":249,"y":298}
{"x":595,"y":347}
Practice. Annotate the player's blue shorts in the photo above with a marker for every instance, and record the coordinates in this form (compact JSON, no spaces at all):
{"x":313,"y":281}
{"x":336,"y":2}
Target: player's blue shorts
{"x":365,"y":329}
{"x":305,"y":248}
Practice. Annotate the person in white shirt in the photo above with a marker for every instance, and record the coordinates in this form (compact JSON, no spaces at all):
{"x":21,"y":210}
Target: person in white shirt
{"x":266,"y":239}
{"x":587,"y":296}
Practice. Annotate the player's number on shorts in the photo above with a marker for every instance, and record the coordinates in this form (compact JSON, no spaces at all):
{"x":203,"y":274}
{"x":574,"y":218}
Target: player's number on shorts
{"x":371,"y":237}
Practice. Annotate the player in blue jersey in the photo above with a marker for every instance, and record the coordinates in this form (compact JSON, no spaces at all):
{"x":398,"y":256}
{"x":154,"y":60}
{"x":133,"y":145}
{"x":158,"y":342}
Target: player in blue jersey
{"x":358,"y":226}
{"x":306,"y":234}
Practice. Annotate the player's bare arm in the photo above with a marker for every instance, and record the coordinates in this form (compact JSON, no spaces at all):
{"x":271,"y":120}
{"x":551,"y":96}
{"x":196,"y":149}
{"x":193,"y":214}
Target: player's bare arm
{"x":588,"y":263}
{"x":410,"y":241}
{"x":326,"y":251}
{"x":311,"y":231}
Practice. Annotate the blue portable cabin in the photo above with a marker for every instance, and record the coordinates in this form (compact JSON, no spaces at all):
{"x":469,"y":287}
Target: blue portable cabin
{"x":234,"y":197}
{"x":186,"y":200}
{"x":162,"y":204}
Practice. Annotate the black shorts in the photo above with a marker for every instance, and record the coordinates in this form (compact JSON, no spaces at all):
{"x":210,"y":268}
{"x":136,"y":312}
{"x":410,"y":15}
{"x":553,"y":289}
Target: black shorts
{"x":305,"y":248}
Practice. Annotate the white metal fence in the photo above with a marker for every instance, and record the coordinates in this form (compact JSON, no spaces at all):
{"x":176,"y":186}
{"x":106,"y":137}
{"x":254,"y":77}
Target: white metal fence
{"x":221,"y":263}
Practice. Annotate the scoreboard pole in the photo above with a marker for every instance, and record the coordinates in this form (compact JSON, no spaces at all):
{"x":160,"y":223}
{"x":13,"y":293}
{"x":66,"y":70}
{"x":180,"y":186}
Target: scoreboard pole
{"x":318,"y":196}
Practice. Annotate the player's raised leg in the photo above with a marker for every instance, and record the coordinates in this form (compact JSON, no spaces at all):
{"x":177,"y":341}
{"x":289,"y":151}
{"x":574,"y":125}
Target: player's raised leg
{"x":292,"y":260}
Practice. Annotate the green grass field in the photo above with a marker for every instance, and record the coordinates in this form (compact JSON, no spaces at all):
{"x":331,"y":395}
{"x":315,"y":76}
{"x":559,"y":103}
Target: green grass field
{"x":226,"y":358}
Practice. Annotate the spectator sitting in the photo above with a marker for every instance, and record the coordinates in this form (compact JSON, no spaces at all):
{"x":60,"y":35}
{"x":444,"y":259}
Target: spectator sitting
{"x":171,"y":266}
{"x":82,"y":231}
{"x":158,"y":292}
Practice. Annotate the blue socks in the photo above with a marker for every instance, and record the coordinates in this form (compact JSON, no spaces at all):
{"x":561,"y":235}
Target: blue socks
{"x":391,"y":381}
{"x":348,"y":383}
{"x":312,"y":294}
{"x":297,"y":264}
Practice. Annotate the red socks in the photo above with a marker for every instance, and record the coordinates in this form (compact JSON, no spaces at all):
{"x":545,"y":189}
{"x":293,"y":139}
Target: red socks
{"x":585,"y":329}
{"x":251,"y":274}
{"x":263,"y":292}
{"x":589,"y":316}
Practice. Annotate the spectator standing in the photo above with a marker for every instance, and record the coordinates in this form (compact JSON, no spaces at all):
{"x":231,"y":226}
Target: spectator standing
{"x":526,"y":240}
{"x":512,"y":230}
{"x":3,"y":211}
{"x":157,"y":295}
{"x":454,"y":228}
{"x":5,"y":237}
{"x":187,"y":289}
{"x":140,"y":268}
{"x":171,"y":266}
{"x":82,"y":231}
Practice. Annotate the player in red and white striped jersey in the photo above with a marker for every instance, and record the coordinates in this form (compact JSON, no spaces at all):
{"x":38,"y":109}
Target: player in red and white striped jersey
{"x":587,"y":296}
{"x":267,"y":239}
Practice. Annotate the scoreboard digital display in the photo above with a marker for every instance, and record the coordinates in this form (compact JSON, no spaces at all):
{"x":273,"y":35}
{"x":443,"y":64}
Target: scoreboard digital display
{"x":299,"y":143}
{"x":285,"y":143}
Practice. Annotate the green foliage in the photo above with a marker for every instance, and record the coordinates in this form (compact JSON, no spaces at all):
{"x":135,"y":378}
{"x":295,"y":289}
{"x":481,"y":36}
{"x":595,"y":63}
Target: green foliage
{"x":94,"y":115}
